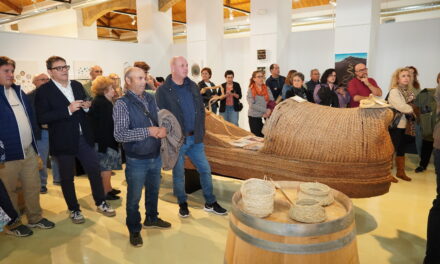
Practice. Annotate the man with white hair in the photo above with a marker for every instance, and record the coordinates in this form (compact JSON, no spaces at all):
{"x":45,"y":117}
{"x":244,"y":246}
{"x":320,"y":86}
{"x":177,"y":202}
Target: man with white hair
{"x":136,"y":127}
{"x":181,"y":96}
{"x":95,"y":71}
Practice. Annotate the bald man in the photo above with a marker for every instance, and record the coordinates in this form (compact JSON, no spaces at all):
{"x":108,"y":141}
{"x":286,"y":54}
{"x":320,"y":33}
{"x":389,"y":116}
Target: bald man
{"x":41,"y":133}
{"x":181,"y":96}
{"x":361,"y":86}
{"x":95,"y":71}
{"x":136,"y":127}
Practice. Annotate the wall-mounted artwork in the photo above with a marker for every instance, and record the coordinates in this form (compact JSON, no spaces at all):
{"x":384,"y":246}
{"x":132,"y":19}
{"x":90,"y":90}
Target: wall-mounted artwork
{"x":344,"y":65}
{"x":24,"y":72}
{"x":81,"y":69}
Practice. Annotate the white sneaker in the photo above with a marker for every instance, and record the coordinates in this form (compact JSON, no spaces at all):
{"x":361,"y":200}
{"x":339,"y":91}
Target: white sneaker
{"x":106,"y":209}
{"x":77,"y":217}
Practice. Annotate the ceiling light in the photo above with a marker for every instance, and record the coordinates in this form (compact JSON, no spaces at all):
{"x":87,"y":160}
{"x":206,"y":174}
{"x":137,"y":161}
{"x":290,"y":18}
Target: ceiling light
{"x":231,"y":16}
{"x":332,"y":2}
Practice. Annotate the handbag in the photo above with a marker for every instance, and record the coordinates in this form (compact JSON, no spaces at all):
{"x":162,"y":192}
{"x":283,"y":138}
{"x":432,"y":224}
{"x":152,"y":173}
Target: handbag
{"x":240,"y":107}
{"x":396,"y":119}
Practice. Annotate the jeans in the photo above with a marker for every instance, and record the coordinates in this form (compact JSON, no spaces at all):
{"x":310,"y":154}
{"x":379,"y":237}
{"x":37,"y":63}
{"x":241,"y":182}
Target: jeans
{"x":43,"y":148}
{"x":230,"y":115}
{"x":196,"y":153}
{"x":140,"y":173}
{"x":433,"y":233}
{"x":89,"y":160}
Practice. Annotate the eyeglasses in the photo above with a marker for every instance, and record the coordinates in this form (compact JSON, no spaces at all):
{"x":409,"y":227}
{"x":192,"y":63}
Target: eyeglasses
{"x":362,"y":70}
{"x":98,"y":71}
{"x":259,"y":76}
{"x":61,"y":68}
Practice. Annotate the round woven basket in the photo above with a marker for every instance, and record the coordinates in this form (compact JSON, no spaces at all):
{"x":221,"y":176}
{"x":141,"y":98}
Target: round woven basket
{"x":307,"y":211}
{"x":258,"y":197}
{"x":317,"y":191}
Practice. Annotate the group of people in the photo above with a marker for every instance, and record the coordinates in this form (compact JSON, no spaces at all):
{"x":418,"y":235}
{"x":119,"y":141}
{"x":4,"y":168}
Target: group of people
{"x":94,"y":123}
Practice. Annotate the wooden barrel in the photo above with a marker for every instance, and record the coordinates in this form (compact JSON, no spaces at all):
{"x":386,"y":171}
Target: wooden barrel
{"x":279,"y":239}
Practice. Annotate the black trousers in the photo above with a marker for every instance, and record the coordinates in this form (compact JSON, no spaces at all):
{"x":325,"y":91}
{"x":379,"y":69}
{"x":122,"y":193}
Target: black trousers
{"x":256,"y":125}
{"x":6,"y":204}
{"x":433,"y":234}
{"x":400,"y":140}
{"x":89,"y":160}
{"x":425,"y":156}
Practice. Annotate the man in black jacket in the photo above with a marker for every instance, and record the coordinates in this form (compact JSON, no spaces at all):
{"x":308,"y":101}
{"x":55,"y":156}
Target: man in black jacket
{"x":275,"y":82}
{"x":60,"y":104}
{"x":181,"y":96}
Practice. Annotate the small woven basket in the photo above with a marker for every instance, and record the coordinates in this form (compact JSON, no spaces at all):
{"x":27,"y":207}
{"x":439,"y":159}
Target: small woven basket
{"x":307,"y":211}
{"x":317,"y":191}
{"x":258,"y":197}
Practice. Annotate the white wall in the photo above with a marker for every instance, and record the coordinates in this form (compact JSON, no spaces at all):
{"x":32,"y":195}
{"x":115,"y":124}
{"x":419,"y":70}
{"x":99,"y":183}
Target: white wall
{"x":110,"y":55}
{"x":415,"y":43}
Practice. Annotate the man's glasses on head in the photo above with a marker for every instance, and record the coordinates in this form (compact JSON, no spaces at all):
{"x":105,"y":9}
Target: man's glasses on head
{"x":61,"y":68}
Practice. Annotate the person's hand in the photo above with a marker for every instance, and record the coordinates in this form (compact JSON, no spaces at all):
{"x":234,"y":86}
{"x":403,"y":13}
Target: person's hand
{"x":154,"y":131}
{"x":40,"y":163}
{"x":162,"y":132}
{"x":86,"y":104}
{"x":341,"y":91}
{"x":75,"y":106}
{"x":364,"y":79}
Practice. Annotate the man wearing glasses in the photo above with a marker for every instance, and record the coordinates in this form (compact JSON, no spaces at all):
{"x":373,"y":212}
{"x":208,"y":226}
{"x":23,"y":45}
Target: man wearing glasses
{"x":361,"y":86}
{"x":95,"y":71}
{"x":61,"y":104}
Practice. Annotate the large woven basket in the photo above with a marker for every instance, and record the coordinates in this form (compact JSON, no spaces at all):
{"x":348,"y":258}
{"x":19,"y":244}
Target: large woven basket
{"x":258,"y":197}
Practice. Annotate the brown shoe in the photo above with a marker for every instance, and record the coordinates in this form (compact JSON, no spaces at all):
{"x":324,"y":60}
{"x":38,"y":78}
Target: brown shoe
{"x":400,"y":164}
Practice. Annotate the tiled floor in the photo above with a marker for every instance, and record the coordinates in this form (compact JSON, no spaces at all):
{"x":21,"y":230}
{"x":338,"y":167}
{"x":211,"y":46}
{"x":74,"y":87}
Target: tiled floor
{"x":391,"y":228}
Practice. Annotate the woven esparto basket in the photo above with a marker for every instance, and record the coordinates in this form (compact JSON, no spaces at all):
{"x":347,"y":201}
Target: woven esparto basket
{"x":258,"y":197}
{"x":307,"y":211}
{"x":317,"y":191}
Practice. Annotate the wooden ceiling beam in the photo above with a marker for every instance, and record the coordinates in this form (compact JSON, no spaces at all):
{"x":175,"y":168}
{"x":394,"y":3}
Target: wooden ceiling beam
{"x":164,"y":5}
{"x":116,"y":33}
{"x":12,"y":6}
{"x":102,"y":21}
{"x":92,"y":13}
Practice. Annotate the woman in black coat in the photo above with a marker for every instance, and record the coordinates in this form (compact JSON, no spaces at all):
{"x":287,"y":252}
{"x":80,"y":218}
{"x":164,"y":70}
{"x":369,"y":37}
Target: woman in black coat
{"x":100,"y":116}
{"x":230,"y":104}
{"x":208,"y":89}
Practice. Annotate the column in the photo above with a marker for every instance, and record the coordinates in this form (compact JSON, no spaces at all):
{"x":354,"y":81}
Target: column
{"x":205,"y":30}
{"x":357,"y":22}
{"x":155,"y":29}
{"x":271,"y":24}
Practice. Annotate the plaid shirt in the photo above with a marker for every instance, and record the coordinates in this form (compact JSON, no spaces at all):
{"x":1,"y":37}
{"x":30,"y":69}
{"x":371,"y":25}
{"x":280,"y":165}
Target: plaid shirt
{"x":121,"y":119}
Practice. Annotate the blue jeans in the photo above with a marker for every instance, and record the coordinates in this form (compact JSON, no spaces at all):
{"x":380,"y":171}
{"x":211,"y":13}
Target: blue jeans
{"x":196,"y":153}
{"x":43,"y":148}
{"x":230,"y":115}
{"x":140,"y":173}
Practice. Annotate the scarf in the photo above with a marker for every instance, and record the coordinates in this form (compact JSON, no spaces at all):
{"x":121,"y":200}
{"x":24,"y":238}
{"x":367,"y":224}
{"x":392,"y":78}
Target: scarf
{"x":409,"y":95}
{"x":263,"y":91}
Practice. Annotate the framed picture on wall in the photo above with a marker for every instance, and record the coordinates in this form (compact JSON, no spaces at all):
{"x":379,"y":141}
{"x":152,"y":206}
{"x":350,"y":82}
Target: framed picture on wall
{"x":344,"y":65}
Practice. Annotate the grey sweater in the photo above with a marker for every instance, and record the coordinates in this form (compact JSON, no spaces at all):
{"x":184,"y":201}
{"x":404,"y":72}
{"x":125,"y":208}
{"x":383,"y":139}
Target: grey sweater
{"x":257,"y":105}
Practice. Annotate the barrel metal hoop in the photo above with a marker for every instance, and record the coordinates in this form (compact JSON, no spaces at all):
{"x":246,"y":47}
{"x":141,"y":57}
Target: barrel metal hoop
{"x":297,"y":249}
{"x":299,"y":230}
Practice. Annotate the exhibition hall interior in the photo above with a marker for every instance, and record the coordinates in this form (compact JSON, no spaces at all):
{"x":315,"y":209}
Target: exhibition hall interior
{"x":220,"y":131}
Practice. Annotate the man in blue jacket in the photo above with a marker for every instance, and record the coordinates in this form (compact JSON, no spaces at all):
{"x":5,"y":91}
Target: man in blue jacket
{"x":16,"y":132}
{"x":136,"y":126}
{"x":181,"y":96}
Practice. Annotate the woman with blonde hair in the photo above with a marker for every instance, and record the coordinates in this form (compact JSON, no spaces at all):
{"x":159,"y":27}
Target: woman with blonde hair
{"x":101,"y":117}
{"x":116,"y":85}
{"x":258,"y":97}
{"x":401,"y":97}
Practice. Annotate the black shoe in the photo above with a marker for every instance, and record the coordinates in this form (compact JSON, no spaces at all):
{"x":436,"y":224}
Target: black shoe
{"x":43,"y":189}
{"x":136,"y":239}
{"x":183,"y":210}
{"x":159,"y":223}
{"x":43,"y":224}
{"x":57,"y":183}
{"x":19,"y":231}
{"x":114,"y":192}
{"x":110,"y":196}
{"x":215,"y":208}
{"x":419,"y":169}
